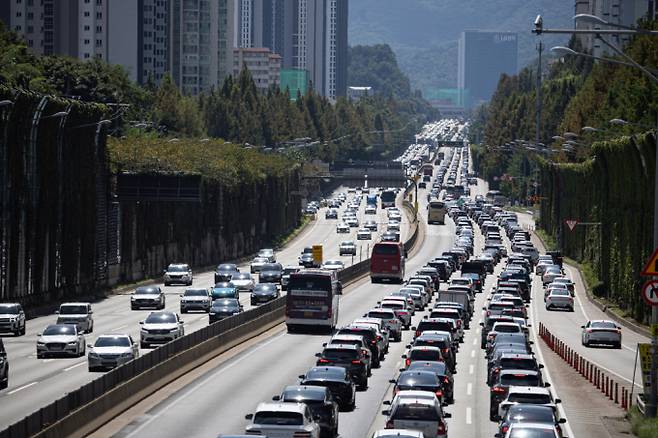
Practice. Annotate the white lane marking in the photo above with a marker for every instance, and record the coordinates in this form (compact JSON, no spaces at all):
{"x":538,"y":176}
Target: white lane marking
{"x":21,"y":388}
{"x":203,"y":382}
{"x":75,"y":366}
{"x":469,"y":416}
{"x":471,"y":369}
{"x":469,"y":389}
{"x":475,"y":341}
{"x":472,"y":353}
{"x":119,"y":328}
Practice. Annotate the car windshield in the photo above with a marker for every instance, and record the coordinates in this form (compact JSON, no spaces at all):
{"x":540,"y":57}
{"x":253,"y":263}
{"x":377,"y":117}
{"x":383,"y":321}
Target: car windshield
{"x":415,"y":411}
{"x":433,"y":366}
{"x":603,"y":325}
{"x":560,"y":292}
{"x":304,"y":395}
{"x":408,"y":378}
{"x":225,"y":303}
{"x":72,"y":310}
{"x":279,"y":418}
{"x":161,"y":318}
{"x":520,"y":379}
{"x":518,"y":363}
{"x":386,"y":250}
{"x":326,"y":373}
{"x":381,"y":315}
{"x":58,"y":330}
{"x":272,"y":267}
{"x":177,"y":268}
{"x":112,"y":341}
{"x":423,"y":354}
{"x":227,"y":268}
{"x":507,"y":328}
{"x":262,"y":287}
{"x":529,"y":398}
{"x":553,"y":268}
{"x":196,"y":293}
{"x":527,"y":432}
{"x":242,"y":276}
{"x":347,"y":243}
{"x":147,"y":291}
{"x":333,"y":263}
{"x":9,"y":309}
{"x":259,"y":260}
{"x":531,"y":414}
{"x":339,"y":354}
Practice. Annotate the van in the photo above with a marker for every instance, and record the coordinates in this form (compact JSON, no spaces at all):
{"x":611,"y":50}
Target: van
{"x":387,"y":262}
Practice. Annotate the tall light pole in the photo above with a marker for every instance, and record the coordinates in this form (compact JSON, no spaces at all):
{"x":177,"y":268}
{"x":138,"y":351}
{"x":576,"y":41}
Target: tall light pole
{"x":652,"y":402}
{"x":540,"y":48}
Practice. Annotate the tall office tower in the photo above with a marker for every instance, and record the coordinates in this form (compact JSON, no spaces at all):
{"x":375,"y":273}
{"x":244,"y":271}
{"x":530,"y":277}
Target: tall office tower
{"x":483,"y":57}
{"x":201,"y":43}
{"x":624,"y":12}
{"x":321,"y":44}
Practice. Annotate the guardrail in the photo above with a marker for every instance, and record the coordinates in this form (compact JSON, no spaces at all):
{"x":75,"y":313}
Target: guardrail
{"x":619,"y":394}
{"x":90,"y":406}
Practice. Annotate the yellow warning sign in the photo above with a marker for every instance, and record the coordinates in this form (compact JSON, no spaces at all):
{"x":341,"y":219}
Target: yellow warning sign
{"x":317,"y":254}
{"x":651,"y":267}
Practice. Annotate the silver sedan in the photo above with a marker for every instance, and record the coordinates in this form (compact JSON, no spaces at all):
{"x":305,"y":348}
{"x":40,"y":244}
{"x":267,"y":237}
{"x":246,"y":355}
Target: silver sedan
{"x":601,"y":332}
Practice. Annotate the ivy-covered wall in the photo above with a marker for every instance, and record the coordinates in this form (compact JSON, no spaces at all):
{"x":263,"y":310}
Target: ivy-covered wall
{"x":615,"y":188}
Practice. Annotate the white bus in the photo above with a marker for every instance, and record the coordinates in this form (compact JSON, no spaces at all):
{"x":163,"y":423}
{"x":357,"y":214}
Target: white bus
{"x":312,"y":299}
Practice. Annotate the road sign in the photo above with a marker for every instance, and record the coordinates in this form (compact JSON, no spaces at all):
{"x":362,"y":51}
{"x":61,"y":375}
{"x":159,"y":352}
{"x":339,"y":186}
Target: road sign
{"x":645,"y":366}
{"x":317,"y":254}
{"x":651,"y":268}
{"x":571,"y":223}
{"x":650,"y":292}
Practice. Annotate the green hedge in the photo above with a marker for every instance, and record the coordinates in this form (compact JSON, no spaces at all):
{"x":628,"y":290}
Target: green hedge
{"x":615,"y":188}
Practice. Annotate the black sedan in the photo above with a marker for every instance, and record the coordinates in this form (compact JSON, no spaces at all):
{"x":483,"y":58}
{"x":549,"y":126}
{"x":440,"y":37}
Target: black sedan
{"x":320,"y":401}
{"x":339,"y":382}
{"x":306,"y":260}
{"x":419,"y":380}
{"x":270,"y":273}
{"x":225,"y":271}
{"x":264,"y":293}
{"x":442,"y":372}
{"x":223,"y":308}
{"x":530,"y":413}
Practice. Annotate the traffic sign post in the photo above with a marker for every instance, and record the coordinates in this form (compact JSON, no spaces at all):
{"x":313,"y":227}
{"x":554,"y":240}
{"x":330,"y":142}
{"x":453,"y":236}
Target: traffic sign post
{"x":650,"y":294}
{"x":651,"y":268}
{"x":317,"y":254}
{"x":571,"y":223}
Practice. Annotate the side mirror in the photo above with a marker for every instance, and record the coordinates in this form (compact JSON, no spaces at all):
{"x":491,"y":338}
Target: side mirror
{"x":447,"y":415}
{"x":141,"y":322}
{"x":557,"y":400}
{"x":386,"y":412}
{"x":301,"y":376}
{"x":324,"y":344}
{"x":407,"y":346}
{"x":582,"y":326}
{"x":318,"y":354}
{"x":540,"y":366}
{"x":56,"y":312}
{"x":547,"y":385}
{"x":181,"y":322}
{"x":386,"y":402}
{"x":562,"y":420}
{"x":90,"y":346}
{"x":413,"y":328}
{"x":276,"y":398}
{"x":391,"y":381}
{"x":404,"y":356}
{"x":91,"y":312}
{"x":481,"y":324}
{"x":181,"y":295}
{"x":249,"y":416}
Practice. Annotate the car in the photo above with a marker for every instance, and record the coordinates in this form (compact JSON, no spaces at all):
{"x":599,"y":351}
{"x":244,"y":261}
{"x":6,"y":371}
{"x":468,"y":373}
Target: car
{"x":542,"y":265}
{"x":59,"y":340}
{"x":419,"y":380}
{"x":559,"y":298}
{"x":392,"y":322}
{"x":504,"y":380}
{"x":390,"y":236}
{"x":267,"y":253}
{"x":308,"y":261}
{"x":147,"y":296}
{"x":364,"y":234}
{"x":223,"y":308}
{"x":419,"y":410}
{"x":349,"y":356}
{"x":331,"y":213}
{"x":264,"y":293}
{"x":257,"y":263}
{"x":371,"y":209}
{"x":337,"y":380}
{"x":393,"y":226}
{"x":79,"y":314}
{"x":180,"y":273}
{"x":508,"y":360}
{"x":423,"y":353}
{"x":530,"y":413}
{"x":333,"y":265}
{"x":160,"y":328}
{"x":601,"y":332}
{"x":196,"y":298}
{"x":352,"y":222}
{"x":243,"y":281}
{"x":442,"y":340}
{"x":320,"y":401}
{"x":372,"y":336}
{"x":342,"y":227}
{"x":397,"y":433}
{"x":566,"y":282}
{"x":285,"y":420}
{"x":224,"y":290}
{"x":12,"y":319}
{"x":111,"y":351}
{"x":525,"y":429}
{"x":357,"y":340}
{"x":270,"y":273}
{"x":4,"y":366}
{"x":527,"y":395}
{"x":442,"y":371}
{"x":347,"y":247}
{"x":285,"y":276}
{"x":225,"y":272}
{"x":551,"y":272}
{"x":371,"y":225}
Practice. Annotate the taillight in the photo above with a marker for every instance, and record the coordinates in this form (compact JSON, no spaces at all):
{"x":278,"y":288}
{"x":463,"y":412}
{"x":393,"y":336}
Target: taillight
{"x":505,"y":428}
{"x":446,"y":380}
{"x":441,"y":430}
{"x":445,"y":350}
{"x":439,"y":394}
{"x":407,"y":362}
{"x":323,"y":361}
{"x":459,"y":323}
{"x":373,"y":342}
{"x":417,"y":333}
{"x":498,"y":389}
{"x":488,"y":312}
{"x":356,"y":362}
{"x":390,"y":424}
{"x":589,"y":330}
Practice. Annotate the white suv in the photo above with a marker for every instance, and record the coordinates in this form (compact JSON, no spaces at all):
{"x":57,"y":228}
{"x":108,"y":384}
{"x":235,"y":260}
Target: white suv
{"x":78,"y":314}
{"x":178,"y":273}
{"x":160,"y":328}
{"x":283,"y":420}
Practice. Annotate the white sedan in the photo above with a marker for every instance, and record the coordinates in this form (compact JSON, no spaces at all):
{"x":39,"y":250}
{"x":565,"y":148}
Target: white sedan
{"x":333,"y":265}
{"x":110,"y":351}
{"x":364,"y":234}
{"x":342,"y":228}
{"x":61,"y":339}
{"x":601,"y":332}
{"x":559,"y":298}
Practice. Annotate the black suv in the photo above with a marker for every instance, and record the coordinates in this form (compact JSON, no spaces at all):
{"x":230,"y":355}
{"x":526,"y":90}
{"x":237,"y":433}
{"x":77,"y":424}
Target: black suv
{"x":4,"y":366}
{"x":337,"y":380}
{"x":319,"y":400}
{"x":348,"y":356}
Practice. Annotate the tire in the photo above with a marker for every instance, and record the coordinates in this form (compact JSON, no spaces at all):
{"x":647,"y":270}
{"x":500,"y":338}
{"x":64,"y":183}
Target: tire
{"x":91,"y":328}
{"x":144,"y":345}
{"x":133,"y":307}
{"x":618,"y":346}
{"x":5,"y":383}
{"x":92,"y":369}
{"x":40,"y":356}
{"x":17,"y":332}
{"x":167,"y":284}
{"x":23,"y":329}
{"x":183,"y":310}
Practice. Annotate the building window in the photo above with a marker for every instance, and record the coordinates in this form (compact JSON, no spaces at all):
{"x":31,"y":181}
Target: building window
{"x":99,"y":43}
{"x":86,"y":55}
{"x":87,"y":42}
{"x":86,"y":13}
{"x":87,"y":27}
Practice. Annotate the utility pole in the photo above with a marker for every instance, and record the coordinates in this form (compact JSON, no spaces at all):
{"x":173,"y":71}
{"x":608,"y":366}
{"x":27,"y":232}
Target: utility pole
{"x":540,"y":48}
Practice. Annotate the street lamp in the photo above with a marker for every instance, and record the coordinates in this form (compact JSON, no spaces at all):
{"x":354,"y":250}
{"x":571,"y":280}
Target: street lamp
{"x":652,"y":403}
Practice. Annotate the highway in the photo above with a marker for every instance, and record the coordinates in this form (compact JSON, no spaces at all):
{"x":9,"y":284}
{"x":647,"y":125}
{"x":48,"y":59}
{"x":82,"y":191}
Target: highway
{"x":36,"y":382}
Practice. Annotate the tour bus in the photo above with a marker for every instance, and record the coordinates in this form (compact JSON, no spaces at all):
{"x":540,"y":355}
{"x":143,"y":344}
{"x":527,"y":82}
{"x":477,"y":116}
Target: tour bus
{"x":387,"y":198}
{"x":436,"y":212}
{"x":312,"y":299}
{"x":387,"y":262}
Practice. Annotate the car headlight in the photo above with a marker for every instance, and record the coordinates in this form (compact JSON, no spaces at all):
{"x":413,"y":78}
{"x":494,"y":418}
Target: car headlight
{"x":41,"y":343}
{"x":73,"y":343}
{"x":93,"y":355}
{"x":175,"y":329}
{"x":144,"y":331}
{"x":212,"y":313}
{"x":132,"y":298}
{"x":127,"y":355}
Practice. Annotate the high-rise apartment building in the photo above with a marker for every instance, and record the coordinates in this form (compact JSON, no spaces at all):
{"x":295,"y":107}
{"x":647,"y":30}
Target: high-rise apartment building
{"x":483,"y":56}
{"x":264,"y":66}
{"x":624,"y":12}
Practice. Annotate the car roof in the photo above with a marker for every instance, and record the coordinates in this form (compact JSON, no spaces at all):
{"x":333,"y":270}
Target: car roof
{"x":342,"y":347}
{"x":516,"y":371}
{"x":529,"y":389}
{"x":75,"y":303}
{"x":385,"y":433}
{"x":298,"y":408}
